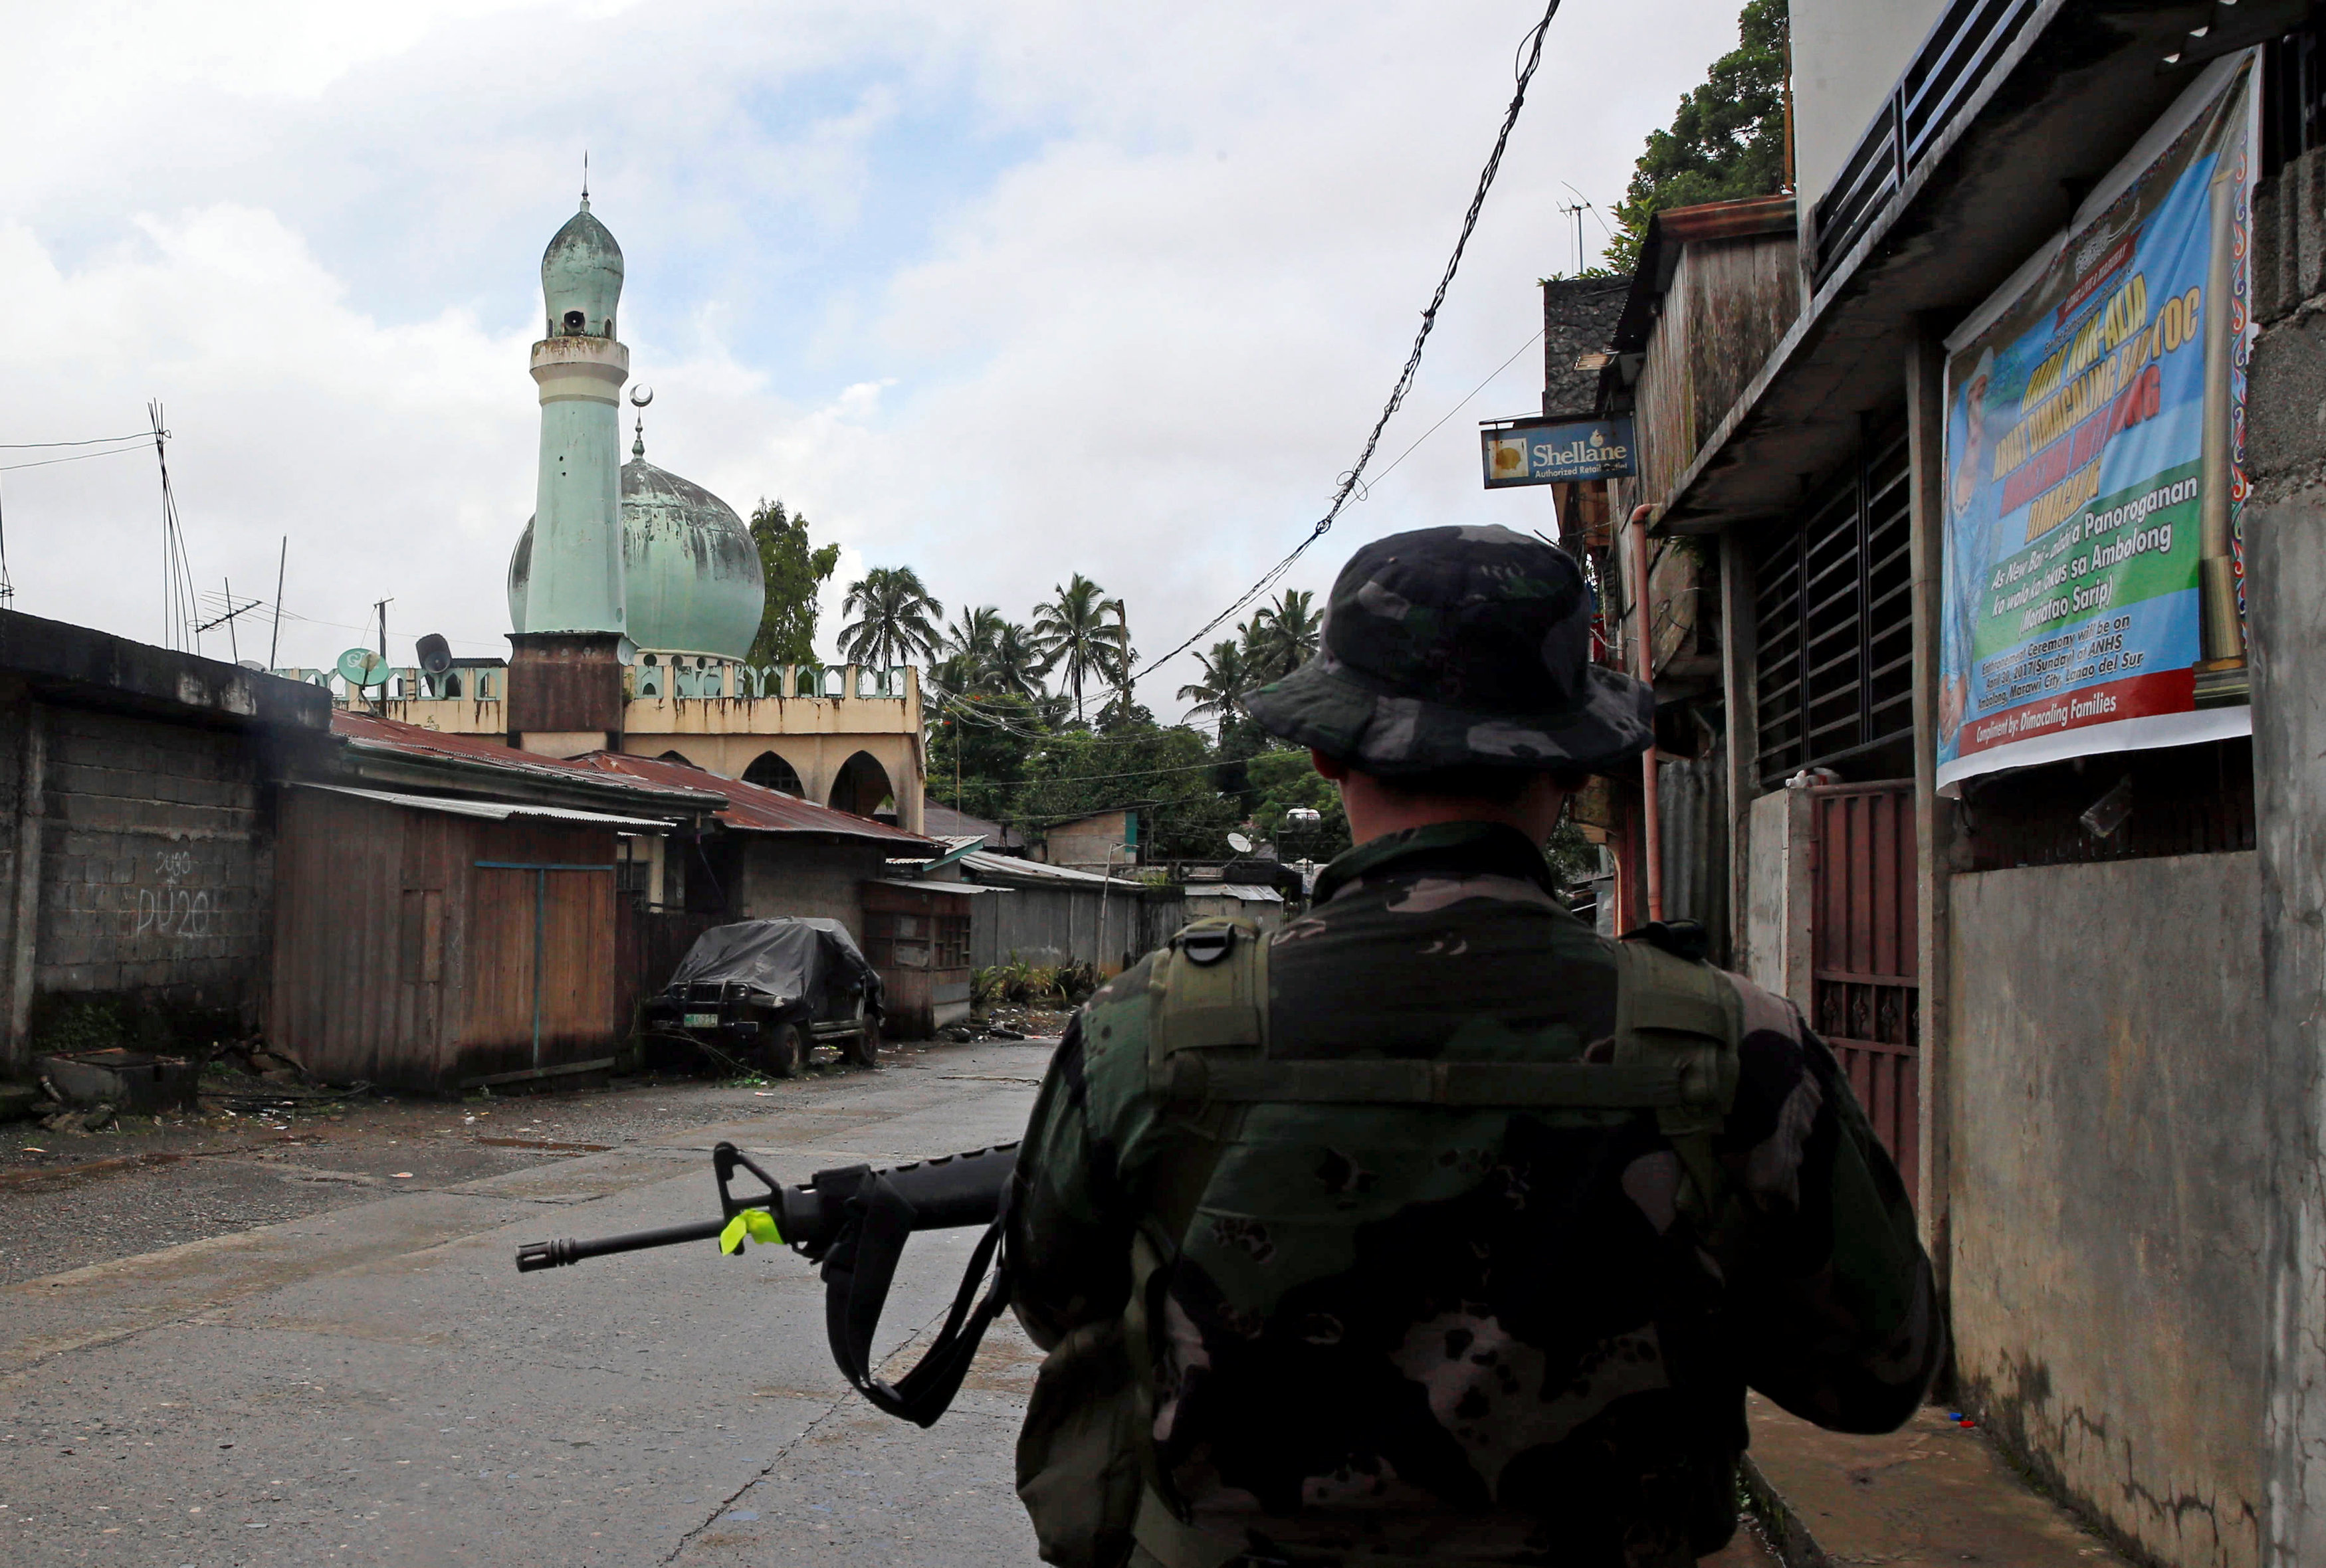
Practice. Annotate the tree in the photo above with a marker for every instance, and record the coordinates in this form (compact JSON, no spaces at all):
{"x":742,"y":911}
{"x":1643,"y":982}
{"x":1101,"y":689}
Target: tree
{"x":1284,"y":777}
{"x":1226,"y":678}
{"x":899,"y":618}
{"x":974,"y":632}
{"x":1073,"y":634}
{"x":1727,"y":141}
{"x":967,"y":645}
{"x":1013,"y":664}
{"x":793,"y":572}
{"x":1283,"y":636}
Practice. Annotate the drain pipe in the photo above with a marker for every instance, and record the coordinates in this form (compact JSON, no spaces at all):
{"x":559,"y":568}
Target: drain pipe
{"x":1652,"y":869}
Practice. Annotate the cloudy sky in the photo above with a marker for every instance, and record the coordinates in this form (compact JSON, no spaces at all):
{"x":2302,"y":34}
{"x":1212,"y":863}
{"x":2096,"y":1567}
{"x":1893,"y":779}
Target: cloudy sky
{"x":998,"y":289}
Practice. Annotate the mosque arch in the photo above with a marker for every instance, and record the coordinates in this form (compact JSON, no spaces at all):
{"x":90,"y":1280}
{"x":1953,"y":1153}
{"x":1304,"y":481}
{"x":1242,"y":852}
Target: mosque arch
{"x":861,"y":787}
{"x":774,"y":772}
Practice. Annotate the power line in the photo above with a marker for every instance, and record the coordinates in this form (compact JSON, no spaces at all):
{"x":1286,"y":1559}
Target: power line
{"x":138,"y":436}
{"x":1532,"y":46}
{"x":77,"y":456}
{"x":1533,"y":339}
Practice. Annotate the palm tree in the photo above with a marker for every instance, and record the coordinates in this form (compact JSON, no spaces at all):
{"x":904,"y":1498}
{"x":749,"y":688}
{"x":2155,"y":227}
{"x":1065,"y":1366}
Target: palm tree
{"x":1012,"y":665}
{"x":1283,"y":636}
{"x":974,"y":632}
{"x":1072,"y":633}
{"x":1226,"y":678}
{"x":900,"y":618}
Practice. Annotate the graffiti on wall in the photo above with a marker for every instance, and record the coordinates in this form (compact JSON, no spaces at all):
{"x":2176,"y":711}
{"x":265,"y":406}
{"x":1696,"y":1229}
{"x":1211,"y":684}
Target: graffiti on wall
{"x":169,"y":908}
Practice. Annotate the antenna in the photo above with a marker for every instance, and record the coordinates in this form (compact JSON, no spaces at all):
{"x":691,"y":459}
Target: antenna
{"x":1582,"y":205}
{"x":226,"y":619}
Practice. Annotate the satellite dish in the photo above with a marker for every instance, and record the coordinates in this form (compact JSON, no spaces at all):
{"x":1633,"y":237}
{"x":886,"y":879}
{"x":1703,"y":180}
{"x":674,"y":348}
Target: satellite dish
{"x":641,"y":395}
{"x":1239,"y":843}
{"x":435,"y":654}
{"x":362,"y":667}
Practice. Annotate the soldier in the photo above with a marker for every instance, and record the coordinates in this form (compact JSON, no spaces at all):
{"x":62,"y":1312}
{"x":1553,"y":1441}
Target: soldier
{"x":1437,"y":1229}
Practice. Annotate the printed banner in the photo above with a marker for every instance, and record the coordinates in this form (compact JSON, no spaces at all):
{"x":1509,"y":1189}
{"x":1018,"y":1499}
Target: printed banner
{"x":1546,"y":452}
{"x":2094,"y":444}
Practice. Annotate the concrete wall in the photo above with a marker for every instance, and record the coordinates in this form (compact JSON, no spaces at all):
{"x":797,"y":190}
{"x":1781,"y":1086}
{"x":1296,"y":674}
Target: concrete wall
{"x":1847,"y":55}
{"x":2284,"y":527}
{"x":1776,"y":954}
{"x":2109,"y":1306}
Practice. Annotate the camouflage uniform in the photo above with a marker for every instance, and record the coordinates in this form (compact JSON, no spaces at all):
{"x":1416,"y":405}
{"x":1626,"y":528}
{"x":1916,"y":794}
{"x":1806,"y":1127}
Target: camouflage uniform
{"x":1398,"y":1333}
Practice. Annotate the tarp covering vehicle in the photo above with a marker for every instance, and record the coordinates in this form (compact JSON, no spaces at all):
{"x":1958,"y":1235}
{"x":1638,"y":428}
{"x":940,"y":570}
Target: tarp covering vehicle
{"x":767,"y":990}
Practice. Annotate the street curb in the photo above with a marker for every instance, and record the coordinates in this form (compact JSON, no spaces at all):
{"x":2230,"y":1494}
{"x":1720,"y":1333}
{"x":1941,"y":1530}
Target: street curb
{"x":1790,"y":1538}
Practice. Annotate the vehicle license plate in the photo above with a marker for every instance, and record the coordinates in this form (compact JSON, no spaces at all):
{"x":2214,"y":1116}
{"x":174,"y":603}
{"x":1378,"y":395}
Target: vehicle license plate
{"x":702,"y":1020}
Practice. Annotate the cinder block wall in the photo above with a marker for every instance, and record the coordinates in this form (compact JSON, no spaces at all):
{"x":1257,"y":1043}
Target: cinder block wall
{"x":156,"y":875}
{"x":786,"y":877}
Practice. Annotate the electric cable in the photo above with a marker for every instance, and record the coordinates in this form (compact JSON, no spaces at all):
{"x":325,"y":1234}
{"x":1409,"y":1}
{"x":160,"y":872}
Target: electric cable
{"x":1351,"y":482}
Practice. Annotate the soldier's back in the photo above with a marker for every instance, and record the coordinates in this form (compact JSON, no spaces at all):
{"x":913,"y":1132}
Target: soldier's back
{"x":1439,"y":1332}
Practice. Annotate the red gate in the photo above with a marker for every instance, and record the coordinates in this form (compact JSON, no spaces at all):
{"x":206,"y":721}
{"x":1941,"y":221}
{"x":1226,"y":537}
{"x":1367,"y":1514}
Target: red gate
{"x":1864,"y":956}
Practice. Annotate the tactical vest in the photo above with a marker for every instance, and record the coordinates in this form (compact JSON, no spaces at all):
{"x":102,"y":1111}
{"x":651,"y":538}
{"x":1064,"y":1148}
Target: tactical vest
{"x":1086,"y":1465}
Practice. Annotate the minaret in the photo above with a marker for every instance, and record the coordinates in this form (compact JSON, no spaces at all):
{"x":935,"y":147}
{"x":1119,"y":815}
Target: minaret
{"x":565,"y":672}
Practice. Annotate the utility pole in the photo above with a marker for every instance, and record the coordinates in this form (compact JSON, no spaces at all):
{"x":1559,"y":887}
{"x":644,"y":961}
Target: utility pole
{"x":274,"y":643}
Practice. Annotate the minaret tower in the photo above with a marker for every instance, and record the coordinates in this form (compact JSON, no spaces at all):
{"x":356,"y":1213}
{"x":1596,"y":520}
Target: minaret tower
{"x":565,"y":670}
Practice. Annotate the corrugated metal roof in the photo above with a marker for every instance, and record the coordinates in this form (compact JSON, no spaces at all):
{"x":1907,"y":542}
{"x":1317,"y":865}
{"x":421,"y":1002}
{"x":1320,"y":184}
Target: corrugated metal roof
{"x":492,"y":811}
{"x":368,"y":732}
{"x":752,"y":808}
{"x":984,"y":862}
{"x":969,"y":888}
{"x":948,"y":823}
{"x":1247,"y":892}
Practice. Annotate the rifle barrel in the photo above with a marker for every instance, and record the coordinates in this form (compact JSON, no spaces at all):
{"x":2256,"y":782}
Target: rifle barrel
{"x":537,"y":1255}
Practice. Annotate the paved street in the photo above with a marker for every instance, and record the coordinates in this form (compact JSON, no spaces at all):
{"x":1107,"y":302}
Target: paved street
{"x":347,"y":1369}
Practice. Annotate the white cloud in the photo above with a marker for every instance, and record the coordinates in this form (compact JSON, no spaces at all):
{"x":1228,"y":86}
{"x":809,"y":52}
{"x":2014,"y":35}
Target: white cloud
{"x":1002,"y":292}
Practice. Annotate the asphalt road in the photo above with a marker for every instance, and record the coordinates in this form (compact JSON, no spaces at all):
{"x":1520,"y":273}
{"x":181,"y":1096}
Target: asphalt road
{"x":343,"y":1367}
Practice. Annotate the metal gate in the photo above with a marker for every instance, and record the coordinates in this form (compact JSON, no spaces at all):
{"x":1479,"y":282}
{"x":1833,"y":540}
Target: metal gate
{"x":1863,"y":953}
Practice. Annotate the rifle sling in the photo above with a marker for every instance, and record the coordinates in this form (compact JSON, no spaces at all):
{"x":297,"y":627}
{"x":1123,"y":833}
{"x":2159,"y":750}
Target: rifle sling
{"x":857,"y":1270}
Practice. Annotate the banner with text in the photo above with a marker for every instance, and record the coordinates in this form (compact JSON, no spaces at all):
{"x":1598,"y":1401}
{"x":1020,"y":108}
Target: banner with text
{"x":2093,"y":433}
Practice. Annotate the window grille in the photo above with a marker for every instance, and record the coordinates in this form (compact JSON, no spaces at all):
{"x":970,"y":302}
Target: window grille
{"x":1834,"y":647}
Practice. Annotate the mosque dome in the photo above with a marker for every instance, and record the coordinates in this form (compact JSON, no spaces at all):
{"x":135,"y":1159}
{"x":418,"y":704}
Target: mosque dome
{"x":582,"y":278}
{"x":691,"y":577}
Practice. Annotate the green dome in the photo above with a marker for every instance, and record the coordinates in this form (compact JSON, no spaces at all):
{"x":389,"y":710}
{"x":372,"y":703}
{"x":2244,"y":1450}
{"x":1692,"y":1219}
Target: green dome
{"x":691,"y":577}
{"x":582,"y":278}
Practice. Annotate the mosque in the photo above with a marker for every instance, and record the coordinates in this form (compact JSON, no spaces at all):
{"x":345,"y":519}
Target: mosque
{"x":635,"y":596}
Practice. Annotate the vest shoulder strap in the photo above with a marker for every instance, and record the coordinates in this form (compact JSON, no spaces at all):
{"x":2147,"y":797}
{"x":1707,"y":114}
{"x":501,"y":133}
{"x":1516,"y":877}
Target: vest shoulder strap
{"x":1682,"y":1017}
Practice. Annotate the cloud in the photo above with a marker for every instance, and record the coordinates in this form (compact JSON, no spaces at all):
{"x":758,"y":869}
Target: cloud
{"x":1000,"y":290}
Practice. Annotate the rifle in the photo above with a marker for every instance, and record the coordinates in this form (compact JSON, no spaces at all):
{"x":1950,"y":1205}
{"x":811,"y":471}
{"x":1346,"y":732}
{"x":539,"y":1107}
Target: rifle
{"x":853,"y":1221}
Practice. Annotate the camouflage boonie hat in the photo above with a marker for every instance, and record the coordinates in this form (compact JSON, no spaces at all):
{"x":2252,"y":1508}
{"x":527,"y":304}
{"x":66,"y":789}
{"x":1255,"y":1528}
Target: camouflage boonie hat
{"x":1455,"y":648}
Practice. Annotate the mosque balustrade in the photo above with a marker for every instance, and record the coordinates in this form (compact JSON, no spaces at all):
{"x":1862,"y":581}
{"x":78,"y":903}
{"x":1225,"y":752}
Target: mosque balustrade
{"x":700,"y":676}
{"x":410,"y":683}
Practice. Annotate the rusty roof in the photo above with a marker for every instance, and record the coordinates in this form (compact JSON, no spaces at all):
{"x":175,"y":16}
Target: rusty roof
{"x":368,"y":734}
{"x":753,"y":808}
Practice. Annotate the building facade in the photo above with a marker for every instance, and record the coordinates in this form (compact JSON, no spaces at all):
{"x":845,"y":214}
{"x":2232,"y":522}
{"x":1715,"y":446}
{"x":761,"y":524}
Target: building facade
{"x":2005,"y":728}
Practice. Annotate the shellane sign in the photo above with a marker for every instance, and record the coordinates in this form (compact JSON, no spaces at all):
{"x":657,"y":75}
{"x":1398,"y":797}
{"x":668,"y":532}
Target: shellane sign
{"x":1556,"y":452}
{"x":2095,"y":416}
